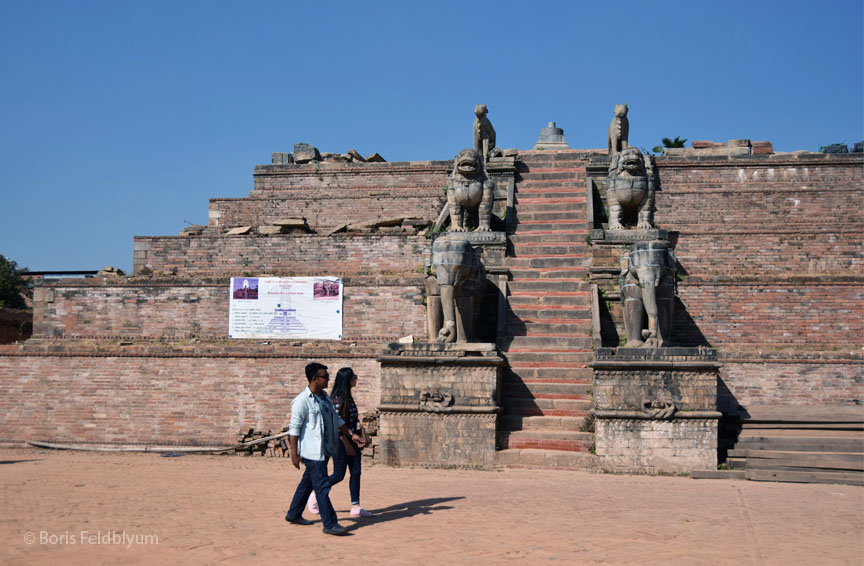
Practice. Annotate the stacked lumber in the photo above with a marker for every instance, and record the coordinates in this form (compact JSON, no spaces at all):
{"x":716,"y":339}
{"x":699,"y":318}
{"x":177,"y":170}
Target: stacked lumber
{"x":797,"y":444}
{"x":369,"y":422}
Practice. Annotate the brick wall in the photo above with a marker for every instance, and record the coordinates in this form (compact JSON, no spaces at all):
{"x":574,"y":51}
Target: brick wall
{"x":375,"y":308}
{"x":283,"y":254}
{"x":330,"y":194}
{"x":97,"y":396}
{"x":771,"y":248}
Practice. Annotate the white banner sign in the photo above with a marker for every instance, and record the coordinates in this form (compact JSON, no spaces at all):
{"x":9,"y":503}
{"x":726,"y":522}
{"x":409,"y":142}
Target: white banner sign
{"x":285,"y":307}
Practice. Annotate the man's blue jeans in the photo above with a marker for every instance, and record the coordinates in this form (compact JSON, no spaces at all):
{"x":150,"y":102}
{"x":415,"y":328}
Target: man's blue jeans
{"x":314,"y":479}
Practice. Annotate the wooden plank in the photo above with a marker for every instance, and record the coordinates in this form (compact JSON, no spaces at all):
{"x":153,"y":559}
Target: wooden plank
{"x":799,"y":446}
{"x":799,"y":432}
{"x":786,"y":413}
{"x":796,"y":425}
{"x":809,"y":459}
{"x":778,"y":465}
{"x":806,"y":477}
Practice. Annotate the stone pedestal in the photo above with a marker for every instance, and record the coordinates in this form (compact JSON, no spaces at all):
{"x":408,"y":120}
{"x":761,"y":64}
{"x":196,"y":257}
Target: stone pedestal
{"x":439,"y":405}
{"x":656,"y":409}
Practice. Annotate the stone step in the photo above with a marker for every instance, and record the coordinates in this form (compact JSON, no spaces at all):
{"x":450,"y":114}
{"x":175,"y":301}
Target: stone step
{"x":716,"y":474}
{"x":510,"y":422}
{"x":574,"y":359}
{"x":546,"y":440}
{"x":556,"y":459}
{"x":577,"y":328}
{"x":544,"y":390}
{"x":551,"y":374}
{"x":563,"y":199}
{"x":539,"y":285}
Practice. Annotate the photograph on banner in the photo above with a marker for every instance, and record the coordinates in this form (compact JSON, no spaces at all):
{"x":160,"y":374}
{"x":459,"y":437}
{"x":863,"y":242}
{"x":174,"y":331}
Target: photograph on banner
{"x":285,"y":307}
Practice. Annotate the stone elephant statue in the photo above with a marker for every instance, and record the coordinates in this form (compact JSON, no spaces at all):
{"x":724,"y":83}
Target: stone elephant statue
{"x":455,"y":290}
{"x":648,"y":287}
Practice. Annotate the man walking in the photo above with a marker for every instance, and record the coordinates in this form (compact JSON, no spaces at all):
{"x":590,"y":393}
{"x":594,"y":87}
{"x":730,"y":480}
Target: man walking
{"x":315,"y":426}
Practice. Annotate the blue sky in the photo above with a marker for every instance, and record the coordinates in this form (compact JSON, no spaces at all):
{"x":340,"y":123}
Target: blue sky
{"x":122,"y":118}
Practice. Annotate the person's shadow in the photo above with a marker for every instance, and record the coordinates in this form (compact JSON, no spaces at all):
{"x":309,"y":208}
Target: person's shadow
{"x":402,"y":511}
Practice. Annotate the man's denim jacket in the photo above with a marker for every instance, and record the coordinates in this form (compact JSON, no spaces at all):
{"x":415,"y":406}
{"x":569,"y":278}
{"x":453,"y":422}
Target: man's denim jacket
{"x":308,"y":423}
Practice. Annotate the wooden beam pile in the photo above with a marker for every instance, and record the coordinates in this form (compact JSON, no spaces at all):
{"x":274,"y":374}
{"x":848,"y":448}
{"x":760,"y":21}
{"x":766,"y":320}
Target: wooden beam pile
{"x":251,"y":442}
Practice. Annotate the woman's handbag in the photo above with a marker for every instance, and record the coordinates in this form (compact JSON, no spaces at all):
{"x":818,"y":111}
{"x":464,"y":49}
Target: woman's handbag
{"x":367,"y":440}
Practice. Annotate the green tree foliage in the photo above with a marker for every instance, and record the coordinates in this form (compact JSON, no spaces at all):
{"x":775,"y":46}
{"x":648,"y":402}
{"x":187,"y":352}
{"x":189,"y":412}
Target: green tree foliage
{"x":13,"y":287}
{"x":668,"y":142}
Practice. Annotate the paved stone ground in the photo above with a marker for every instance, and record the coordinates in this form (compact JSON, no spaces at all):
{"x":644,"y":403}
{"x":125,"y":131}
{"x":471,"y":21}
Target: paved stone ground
{"x":209,"y":509}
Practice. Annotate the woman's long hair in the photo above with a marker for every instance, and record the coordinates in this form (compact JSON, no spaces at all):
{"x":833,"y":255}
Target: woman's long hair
{"x":342,"y":390}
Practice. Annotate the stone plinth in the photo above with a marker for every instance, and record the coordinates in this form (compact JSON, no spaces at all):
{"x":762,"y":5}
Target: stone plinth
{"x":439,"y":405}
{"x":655,"y":409}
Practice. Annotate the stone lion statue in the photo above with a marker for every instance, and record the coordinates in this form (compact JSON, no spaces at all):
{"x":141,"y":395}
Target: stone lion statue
{"x":630,"y":188}
{"x":469,"y":189}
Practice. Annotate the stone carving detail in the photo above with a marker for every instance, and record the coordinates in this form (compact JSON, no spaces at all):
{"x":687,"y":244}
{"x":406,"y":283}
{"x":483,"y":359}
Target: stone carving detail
{"x":630,"y":189}
{"x":660,"y":409}
{"x":460,"y":280}
{"x":647,"y":283}
{"x":469,"y":189}
{"x":435,"y":402}
{"x":484,"y":134}
{"x":619,"y":130}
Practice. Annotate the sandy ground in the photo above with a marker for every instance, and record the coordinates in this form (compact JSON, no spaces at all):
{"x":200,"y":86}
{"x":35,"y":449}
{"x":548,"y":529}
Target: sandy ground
{"x":99,"y":508}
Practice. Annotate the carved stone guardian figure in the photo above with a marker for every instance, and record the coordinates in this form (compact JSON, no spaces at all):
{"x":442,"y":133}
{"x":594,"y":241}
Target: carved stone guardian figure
{"x":484,"y":133}
{"x":619,"y":130}
{"x":460,"y":279}
{"x":630,"y":188}
{"x":648,"y":289}
{"x":469,"y":189}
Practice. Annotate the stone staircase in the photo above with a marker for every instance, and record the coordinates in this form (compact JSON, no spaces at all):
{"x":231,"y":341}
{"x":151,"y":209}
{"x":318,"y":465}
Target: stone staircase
{"x":547,"y":392}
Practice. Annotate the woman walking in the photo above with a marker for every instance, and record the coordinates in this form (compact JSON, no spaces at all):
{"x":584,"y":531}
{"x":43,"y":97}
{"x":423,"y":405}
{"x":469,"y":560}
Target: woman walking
{"x":348,"y":453}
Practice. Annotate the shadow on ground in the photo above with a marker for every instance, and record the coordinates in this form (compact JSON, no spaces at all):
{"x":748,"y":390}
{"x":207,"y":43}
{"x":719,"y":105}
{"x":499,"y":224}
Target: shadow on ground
{"x":403,"y":511}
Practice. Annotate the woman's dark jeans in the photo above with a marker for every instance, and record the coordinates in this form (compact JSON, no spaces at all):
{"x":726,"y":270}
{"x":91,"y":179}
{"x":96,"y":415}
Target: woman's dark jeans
{"x":343,"y":461}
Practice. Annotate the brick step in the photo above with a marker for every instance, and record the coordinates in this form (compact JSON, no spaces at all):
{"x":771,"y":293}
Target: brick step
{"x":575,"y":216}
{"x":548,"y":273}
{"x":550,"y":301}
{"x":550,"y":359}
{"x":541,"y":343}
{"x":545,"y":249}
{"x":552,"y":205}
{"x":559,"y":198}
{"x":543,"y":390}
{"x":550,"y":167}
{"x":551,"y":226}
{"x":556,"y":237}
{"x":517,"y":440}
{"x":554,"y":459}
{"x":539,"y":285}
{"x":539,"y":182}
{"x":580,"y":327}
{"x":571,"y":221}
{"x":525,"y":313}
{"x":570,"y":261}
{"x":510,"y":422}
{"x":532,"y":374}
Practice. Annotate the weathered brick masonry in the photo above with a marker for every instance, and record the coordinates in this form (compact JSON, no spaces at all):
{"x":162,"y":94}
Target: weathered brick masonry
{"x":330,"y":195}
{"x":159,"y":395}
{"x":771,"y":247}
{"x":376,"y":309}
{"x":772,"y":253}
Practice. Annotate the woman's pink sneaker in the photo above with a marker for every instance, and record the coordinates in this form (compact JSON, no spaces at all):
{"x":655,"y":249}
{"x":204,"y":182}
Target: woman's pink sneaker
{"x":312,"y":504}
{"x":360,"y":512}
